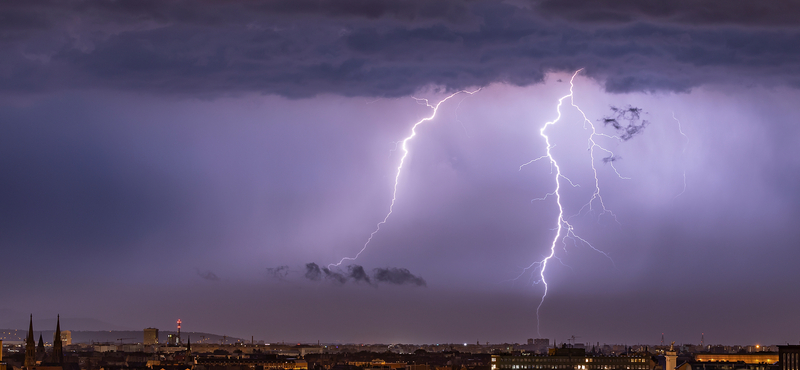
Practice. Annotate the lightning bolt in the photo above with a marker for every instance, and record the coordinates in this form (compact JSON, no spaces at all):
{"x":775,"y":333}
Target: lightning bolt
{"x":404,"y":146}
{"x":684,"y":151}
{"x":564,"y":229}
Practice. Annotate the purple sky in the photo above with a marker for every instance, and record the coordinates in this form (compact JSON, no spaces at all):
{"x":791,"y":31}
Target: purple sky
{"x":165,"y":160}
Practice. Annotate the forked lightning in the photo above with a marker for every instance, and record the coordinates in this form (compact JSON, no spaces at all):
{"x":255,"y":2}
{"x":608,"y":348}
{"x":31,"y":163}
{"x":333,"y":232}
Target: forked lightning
{"x":404,"y":146}
{"x":564,"y":229}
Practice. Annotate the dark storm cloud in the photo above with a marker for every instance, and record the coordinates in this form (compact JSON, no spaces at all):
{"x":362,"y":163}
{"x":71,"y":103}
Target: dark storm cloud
{"x":334,"y":276}
{"x":398,"y":276}
{"x":627,"y":122}
{"x":358,"y":274}
{"x":208,"y":275}
{"x":279,"y":272}
{"x":313,"y":272}
{"x":392,"y":48}
{"x":704,"y":12}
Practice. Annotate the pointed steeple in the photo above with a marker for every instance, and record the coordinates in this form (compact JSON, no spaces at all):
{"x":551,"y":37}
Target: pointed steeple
{"x":30,"y":347}
{"x":188,"y":350}
{"x":58,"y":354}
{"x":40,"y":347}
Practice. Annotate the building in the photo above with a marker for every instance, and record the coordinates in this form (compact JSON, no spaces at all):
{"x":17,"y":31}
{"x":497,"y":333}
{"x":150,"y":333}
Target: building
{"x":732,"y":361}
{"x":56,"y":360}
{"x":538,"y":345}
{"x":671,"y":358}
{"x":724,"y":365}
{"x":173,"y":340}
{"x":66,"y":337}
{"x":789,"y":357}
{"x":747,"y":358}
{"x":264,"y":363}
{"x":30,"y":348}
{"x":2,"y":364}
{"x":305,"y":350}
{"x":565,"y":358}
{"x":58,"y":352}
{"x":377,"y":364}
{"x":150,"y":336}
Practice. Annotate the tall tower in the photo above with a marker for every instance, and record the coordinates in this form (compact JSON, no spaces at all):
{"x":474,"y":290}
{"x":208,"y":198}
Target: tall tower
{"x":58,"y":354}
{"x":30,"y":348}
{"x":671,"y":358}
{"x":179,"y":331}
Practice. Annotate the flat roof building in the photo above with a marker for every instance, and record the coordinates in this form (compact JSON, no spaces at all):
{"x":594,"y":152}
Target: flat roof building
{"x":150,"y":336}
{"x":570,"y":359}
{"x":789,"y":357}
{"x":748,"y":358}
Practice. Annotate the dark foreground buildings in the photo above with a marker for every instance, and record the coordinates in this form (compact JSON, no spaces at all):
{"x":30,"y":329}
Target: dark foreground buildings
{"x":37,"y":359}
{"x":789,"y":357}
{"x":571,"y":359}
{"x":151,"y":355}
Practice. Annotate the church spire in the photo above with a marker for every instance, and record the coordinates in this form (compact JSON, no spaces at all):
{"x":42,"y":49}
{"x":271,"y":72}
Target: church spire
{"x":58,"y":354}
{"x":188,"y":358}
{"x":40,"y":348}
{"x":30,"y":348}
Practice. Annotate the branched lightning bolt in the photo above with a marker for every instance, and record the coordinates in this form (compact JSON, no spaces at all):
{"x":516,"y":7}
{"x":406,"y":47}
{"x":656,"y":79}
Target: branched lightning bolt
{"x":684,"y":151}
{"x":680,"y":129}
{"x":564,"y":229}
{"x":404,"y":146}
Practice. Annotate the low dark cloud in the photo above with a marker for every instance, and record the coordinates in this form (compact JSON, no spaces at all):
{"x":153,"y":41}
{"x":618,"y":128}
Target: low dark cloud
{"x":313,"y":272}
{"x":316,"y":273}
{"x":393,"y":48}
{"x":398,"y":276}
{"x":208,"y":275}
{"x":627,"y":122}
{"x":694,"y":12}
{"x":334,"y":276}
{"x":279,"y":272}
{"x":357,"y":274}
{"x":611,"y":158}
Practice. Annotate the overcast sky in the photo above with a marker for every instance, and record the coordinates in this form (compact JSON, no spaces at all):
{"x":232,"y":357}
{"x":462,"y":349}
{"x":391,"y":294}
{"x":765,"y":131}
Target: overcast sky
{"x":208,"y":160}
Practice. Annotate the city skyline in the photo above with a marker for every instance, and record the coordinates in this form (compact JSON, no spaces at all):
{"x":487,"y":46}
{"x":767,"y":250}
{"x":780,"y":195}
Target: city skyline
{"x":211,"y":162}
{"x":162,"y":337}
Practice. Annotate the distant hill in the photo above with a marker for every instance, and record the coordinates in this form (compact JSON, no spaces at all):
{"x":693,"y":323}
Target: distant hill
{"x":114,"y":336}
{"x":15,"y":320}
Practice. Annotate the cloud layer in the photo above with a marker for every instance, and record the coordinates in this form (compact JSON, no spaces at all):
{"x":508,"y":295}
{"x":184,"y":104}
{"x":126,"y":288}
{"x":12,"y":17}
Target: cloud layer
{"x":357,"y":274}
{"x":391,"y":48}
{"x":208,"y":275}
{"x":399,"y":276}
